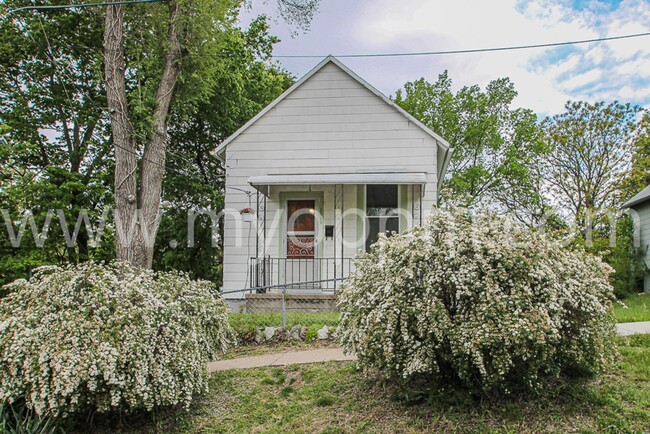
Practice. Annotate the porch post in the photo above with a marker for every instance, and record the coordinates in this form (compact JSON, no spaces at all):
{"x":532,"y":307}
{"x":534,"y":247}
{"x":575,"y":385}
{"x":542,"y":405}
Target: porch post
{"x":342,"y":229}
{"x":334,"y":235}
{"x":257,"y":228}
{"x":421,"y":194}
{"x":412,"y":205}
{"x":260,"y":241}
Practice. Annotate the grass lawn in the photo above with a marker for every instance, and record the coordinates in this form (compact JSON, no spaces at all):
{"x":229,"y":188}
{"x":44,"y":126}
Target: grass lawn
{"x":336,"y":398}
{"x":635,"y":308}
{"x":249,"y":322}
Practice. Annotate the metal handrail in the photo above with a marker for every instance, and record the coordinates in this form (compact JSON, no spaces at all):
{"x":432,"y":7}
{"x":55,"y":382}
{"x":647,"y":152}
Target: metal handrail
{"x":282,"y":272}
{"x":284,"y":285}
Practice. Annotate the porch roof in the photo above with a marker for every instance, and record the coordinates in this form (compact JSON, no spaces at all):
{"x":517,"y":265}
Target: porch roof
{"x":261,"y":183}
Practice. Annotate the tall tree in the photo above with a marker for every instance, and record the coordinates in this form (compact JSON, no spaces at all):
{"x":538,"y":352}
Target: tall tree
{"x":494,"y":143}
{"x":244,"y":84}
{"x":590,"y":146}
{"x":222,"y":85}
{"x":53,"y":145}
{"x":638,"y":177}
{"x":191,"y":38}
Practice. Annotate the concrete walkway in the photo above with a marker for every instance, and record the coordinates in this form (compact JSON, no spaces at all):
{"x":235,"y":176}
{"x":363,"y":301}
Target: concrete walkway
{"x":633,"y":328}
{"x":336,"y":354}
{"x":282,"y":359}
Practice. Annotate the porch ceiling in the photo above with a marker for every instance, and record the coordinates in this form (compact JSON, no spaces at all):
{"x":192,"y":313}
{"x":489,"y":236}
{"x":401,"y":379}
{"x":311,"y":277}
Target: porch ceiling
{"x":261,"y":183}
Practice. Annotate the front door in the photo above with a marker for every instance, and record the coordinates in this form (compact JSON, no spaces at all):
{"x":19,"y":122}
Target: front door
{"x":301,"y":242}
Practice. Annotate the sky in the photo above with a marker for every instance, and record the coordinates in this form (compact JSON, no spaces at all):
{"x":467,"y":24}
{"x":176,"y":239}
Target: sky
{"x":544,"y":77}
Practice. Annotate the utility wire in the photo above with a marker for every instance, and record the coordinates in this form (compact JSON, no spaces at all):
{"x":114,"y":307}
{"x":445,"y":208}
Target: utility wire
{"x":473,"y":50}
{"x":414,"y":54}
{"x":81,"y":5}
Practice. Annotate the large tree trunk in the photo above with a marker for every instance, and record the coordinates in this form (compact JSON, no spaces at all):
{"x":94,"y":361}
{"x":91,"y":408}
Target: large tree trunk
{"x":122,"y":134}
{"x":153,"y":161}
{"x":137,"y":215}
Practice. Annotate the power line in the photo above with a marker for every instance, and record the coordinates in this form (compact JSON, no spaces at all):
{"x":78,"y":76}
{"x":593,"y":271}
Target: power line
{"x":81,"y":5}
{"x":473,"y":50}
{"x":411,"y":54}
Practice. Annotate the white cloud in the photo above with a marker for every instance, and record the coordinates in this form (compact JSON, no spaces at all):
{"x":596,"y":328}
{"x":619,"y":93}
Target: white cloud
{"x":545,"y":78}
{"x":583,"y":79}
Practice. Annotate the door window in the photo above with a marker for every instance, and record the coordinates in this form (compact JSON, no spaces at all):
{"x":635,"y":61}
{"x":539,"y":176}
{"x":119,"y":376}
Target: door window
{"x":301,"y":229}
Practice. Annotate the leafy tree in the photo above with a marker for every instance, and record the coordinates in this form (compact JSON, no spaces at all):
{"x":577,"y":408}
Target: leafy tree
{"x":177,"y":42}
{"x":243,"y":86}
{"x":38,"y":170}
{"x":638,"y":177}
{"x":590,"y":146}
{"x":53,"y":147}
{"x":495,"y":145}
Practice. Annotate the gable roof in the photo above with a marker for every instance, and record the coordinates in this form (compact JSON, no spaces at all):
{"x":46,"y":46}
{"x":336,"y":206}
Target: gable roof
{"x":444,"y":148}
{"x":642,"y":196}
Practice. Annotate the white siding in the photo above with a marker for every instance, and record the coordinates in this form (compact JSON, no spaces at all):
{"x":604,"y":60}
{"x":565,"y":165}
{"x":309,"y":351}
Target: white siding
{"x":643,"y":222}
{"x":330,"y":124}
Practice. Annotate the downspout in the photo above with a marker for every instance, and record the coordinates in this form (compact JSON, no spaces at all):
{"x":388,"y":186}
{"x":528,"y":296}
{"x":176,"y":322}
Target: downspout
{"x":445,"y":165}
{"x":443,"y":170}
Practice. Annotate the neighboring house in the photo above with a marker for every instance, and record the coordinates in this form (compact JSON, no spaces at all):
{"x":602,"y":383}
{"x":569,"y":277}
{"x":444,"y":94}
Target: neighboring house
{"x":297,"y":173}
{"x":640,"y":207}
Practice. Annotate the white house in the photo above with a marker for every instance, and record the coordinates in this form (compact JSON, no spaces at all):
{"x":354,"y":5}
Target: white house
{"x":640,"y":205}
{"x":319,"y":173}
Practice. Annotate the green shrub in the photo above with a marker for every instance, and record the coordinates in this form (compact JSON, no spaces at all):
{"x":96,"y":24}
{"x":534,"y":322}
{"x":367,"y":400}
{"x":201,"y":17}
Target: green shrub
{"x":626,"y":259}
{"x":108,"y":337}
{"x":477,"y":301}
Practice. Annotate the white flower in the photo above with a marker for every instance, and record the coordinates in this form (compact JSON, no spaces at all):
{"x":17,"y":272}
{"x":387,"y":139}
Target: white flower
{"x":110,"y":337}
{"x":481,"y":296}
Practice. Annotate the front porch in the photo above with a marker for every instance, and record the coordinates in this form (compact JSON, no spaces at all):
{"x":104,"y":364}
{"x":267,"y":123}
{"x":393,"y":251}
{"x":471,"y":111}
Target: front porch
{"x":310,"y":227}
{"x":306,"y":231}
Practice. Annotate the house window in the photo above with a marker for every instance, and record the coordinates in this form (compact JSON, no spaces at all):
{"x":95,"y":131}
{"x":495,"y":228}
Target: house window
{"x":381,"y":212}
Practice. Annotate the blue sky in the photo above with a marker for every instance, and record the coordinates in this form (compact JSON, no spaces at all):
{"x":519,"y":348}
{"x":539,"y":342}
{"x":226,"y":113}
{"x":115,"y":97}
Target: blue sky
{"x":544,"y":78}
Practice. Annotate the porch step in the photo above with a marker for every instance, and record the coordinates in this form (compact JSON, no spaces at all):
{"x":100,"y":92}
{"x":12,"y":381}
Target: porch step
{"x":303,"y":302}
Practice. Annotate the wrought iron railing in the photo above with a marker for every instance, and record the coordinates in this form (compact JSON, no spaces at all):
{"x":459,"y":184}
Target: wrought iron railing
{"x":299,"y":274}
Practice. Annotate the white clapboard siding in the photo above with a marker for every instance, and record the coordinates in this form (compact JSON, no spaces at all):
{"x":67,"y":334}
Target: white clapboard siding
{"x":329,"y":124}
{"x":643,"y":220}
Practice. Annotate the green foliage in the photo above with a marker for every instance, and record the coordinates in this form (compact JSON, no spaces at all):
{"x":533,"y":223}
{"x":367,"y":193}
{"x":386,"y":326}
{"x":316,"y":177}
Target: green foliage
{"x":638,"y":177}
{"x":622,"y":256}
{"x":241,"y":86}
{"x":17,"y":419}
{"x":226,"y":79}
{"x":633,"y":309}
{"x":477,"y":301}
{"x":614,"y":243}
{"x":53,"y":139}
{"x":626,"y":260}
{"x":107,"y":338}
{"x":590,"y":153}
{"x":495,"y":146}
{"x":251,"y":321}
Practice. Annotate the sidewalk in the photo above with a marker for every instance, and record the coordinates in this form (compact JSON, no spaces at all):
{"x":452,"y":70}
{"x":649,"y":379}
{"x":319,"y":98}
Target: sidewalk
{"x":336,"y":354}
{"x":282,"y":359}
{"x":633,"y":328}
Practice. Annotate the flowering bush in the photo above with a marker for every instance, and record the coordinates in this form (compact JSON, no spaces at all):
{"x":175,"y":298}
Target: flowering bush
{"x":108,"y":337}
{"x":480,"y":301}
